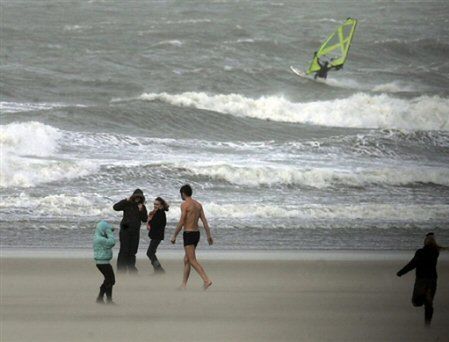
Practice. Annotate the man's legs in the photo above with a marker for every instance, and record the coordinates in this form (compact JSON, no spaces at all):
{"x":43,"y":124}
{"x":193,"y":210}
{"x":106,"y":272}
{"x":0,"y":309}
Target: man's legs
{"x":191,"y":256}
{"x":186,"y":274}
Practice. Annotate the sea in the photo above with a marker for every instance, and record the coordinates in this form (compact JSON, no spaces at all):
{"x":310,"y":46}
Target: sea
{"x":99,"y":98}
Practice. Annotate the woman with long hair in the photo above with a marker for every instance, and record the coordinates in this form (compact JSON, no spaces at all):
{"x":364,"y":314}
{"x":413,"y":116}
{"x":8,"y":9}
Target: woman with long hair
{"x":425,"y":263}
{"x":156,"y":231}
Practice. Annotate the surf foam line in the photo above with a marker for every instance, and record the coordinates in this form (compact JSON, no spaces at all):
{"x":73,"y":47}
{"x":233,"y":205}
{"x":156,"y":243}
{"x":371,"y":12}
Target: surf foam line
{"x":255,"y":176}
{"x":18,"y":107}
{"x":29,"y":156}
{"x":357,"y":111}
{"x":94,"y":207}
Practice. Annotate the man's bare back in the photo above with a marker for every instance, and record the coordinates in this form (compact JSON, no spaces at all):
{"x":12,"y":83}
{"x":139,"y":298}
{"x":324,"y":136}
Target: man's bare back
{"x":193,"y":210}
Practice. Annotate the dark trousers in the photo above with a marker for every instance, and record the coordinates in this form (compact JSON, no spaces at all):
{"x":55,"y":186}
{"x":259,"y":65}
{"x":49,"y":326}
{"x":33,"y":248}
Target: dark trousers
{"x":423,"y":294}
{"x":109,"y":280}
{"x":129,"y":243}
{"x":151,"y":253}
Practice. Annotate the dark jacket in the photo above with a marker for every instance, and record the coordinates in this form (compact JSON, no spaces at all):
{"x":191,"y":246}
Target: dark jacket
{"x":132,"y":216}
{"x":157,"y":223}
{"x":425,"y":262}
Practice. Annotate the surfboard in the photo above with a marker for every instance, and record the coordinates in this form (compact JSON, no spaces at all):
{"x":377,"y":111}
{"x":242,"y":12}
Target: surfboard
{"x":302,"y":74}
{"x":299,"y":73}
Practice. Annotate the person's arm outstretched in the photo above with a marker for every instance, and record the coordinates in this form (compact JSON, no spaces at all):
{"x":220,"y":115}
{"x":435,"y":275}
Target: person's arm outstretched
{"x":407,"y":268}
{"x":206,"y":227}
{"x":180,"y":223}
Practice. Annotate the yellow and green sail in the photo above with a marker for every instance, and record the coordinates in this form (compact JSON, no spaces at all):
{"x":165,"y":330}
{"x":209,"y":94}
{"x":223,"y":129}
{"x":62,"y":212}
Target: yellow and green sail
{"x":336,"y":47}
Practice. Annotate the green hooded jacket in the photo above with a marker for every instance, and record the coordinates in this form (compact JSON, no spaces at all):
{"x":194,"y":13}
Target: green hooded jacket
{"x":104,"y":240}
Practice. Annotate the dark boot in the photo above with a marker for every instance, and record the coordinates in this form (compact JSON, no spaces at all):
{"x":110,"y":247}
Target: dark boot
{"x":158,"y":267}
{"x":428,"y":313}
{"x":100,"y":296}
{"x":109,"y":296}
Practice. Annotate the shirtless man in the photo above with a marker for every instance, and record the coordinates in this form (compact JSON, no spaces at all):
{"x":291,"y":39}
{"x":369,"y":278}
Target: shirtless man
{"x":191,"y":212}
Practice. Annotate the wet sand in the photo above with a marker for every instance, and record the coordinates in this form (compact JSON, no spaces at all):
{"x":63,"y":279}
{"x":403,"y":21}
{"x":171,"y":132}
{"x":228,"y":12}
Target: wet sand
{"x":53,"y":299}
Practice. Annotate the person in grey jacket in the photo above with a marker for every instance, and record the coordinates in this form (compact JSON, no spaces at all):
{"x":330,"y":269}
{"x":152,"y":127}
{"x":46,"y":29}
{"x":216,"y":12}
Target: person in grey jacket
{"x":104,"y":240}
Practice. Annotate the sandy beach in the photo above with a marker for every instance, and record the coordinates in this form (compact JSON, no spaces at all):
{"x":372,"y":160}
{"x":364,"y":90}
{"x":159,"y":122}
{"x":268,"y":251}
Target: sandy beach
{"x":53,"y":299}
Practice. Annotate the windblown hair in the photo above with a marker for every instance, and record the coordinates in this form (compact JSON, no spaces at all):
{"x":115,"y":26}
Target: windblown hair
{"x":164,"y":204}
{"x":430,"y":241}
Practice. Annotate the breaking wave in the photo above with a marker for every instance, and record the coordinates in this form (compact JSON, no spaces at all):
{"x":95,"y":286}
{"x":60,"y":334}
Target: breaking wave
{"x":357,"y":111}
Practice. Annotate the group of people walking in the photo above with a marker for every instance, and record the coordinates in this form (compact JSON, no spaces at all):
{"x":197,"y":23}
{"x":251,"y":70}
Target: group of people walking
{"x":134,"y":214}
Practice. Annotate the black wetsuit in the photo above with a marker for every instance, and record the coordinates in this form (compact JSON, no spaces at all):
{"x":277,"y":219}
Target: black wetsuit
{"x":129,"y":233}
{"x":425,"y":263}
{"x":156,"y":234}
{"x":322,"y":73}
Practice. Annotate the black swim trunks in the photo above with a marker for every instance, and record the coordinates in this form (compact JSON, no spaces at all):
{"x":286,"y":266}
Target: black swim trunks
{"x":191,"y":238}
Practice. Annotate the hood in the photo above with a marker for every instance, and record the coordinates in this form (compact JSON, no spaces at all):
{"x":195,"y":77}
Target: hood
{"x":138,"y":193}
{"x":102,"y":226}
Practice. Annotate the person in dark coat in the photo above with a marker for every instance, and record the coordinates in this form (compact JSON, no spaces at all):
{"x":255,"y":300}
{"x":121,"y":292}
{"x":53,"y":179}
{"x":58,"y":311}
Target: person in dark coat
{"x":156,"y":231}
{"x":425,"y":263}
{"x":134,"y":213}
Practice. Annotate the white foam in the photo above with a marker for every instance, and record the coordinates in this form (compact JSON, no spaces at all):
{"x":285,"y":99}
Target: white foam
{"x":359,"y":111}
{"x":316,"y":212}
{"x":17,"y":107}
{"x":30,"y":138}
{"x":59,"y":205}
{"x":76,"y":27}
{"x":254,"y":176}
{"x":395,"y":87}
{"x":188,"y":21}
{"x":173,"y":42}
{"x":93,"y":206}
{"x":29,"y":156}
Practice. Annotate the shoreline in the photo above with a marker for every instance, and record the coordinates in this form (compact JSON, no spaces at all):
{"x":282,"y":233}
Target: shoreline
{"x":231,"y":255}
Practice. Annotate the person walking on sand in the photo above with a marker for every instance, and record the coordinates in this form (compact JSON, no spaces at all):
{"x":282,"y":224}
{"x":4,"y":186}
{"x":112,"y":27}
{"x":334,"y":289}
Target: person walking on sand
{"x":191,"y":212}
{"x":425,"y":263}
{"x":134,"y":213}
{"x":156,"y":229}
{"x":104,"y":240}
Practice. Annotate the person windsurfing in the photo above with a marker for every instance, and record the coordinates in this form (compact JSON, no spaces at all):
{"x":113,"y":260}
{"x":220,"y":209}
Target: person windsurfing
{"x":333,"y":52}
{"x":324,"y":68}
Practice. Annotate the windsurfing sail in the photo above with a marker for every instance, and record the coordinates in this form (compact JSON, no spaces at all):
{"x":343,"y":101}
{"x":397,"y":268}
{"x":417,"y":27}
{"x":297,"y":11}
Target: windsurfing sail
{"x":336,"y":47}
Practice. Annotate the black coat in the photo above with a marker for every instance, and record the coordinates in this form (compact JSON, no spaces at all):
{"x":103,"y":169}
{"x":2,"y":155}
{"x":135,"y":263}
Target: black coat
{"x":425,"y":262}
{"x":157,"y":223}
{"x":132,"y":216}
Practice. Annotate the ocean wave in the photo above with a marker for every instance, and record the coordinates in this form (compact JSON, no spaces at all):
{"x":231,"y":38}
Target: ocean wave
{"x":173,"y":42}
{"x":187,"y":21}
{"x":58,"y":205}
{"x":29,"y":138}
{"x":254,"y":176}
{"x":77,"y":28}
{"x":18,"y":107}
{"x":357,"y":111}
{"x":316,"y":212}
{"x":30,"y":156}
{"x":93,"y":206}
{"x":395,"y":87}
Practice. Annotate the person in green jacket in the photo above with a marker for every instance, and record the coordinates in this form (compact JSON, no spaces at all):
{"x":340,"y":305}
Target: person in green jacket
{"x":104,"y":240}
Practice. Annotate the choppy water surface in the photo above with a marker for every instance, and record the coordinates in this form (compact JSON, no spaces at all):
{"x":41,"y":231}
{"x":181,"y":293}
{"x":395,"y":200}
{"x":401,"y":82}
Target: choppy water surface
{"x":98,"y":98}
